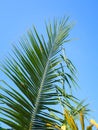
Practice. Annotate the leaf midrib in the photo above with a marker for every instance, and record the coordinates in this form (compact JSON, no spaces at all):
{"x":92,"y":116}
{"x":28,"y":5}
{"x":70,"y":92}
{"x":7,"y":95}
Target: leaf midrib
{"x":40,"y":90}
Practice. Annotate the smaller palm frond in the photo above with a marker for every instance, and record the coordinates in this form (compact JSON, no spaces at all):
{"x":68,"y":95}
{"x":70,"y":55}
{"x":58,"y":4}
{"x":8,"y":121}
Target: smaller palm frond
{"x":70,"y":121}
{"x":75,"y":111}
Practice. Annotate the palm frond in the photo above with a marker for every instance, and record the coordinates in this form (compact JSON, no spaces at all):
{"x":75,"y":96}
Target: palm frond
{"x":34,"y":71}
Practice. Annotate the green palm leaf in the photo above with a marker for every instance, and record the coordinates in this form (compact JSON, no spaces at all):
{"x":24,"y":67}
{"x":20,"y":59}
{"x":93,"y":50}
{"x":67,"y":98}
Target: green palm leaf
{"x":34,"y":71}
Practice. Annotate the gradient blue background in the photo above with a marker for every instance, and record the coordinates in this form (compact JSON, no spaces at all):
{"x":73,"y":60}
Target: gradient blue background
{"x":17,"y":16}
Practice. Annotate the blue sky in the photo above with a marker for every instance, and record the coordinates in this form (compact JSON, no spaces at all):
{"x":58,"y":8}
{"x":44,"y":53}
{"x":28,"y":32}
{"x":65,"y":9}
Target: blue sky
{"x":17,"y":16}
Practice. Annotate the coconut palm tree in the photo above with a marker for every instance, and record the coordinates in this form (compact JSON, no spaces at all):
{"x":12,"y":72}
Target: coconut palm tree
{"x":40,"y":72}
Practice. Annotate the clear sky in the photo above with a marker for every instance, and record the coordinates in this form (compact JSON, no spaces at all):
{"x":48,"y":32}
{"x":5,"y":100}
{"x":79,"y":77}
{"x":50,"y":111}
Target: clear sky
{"x":17,"y":16}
